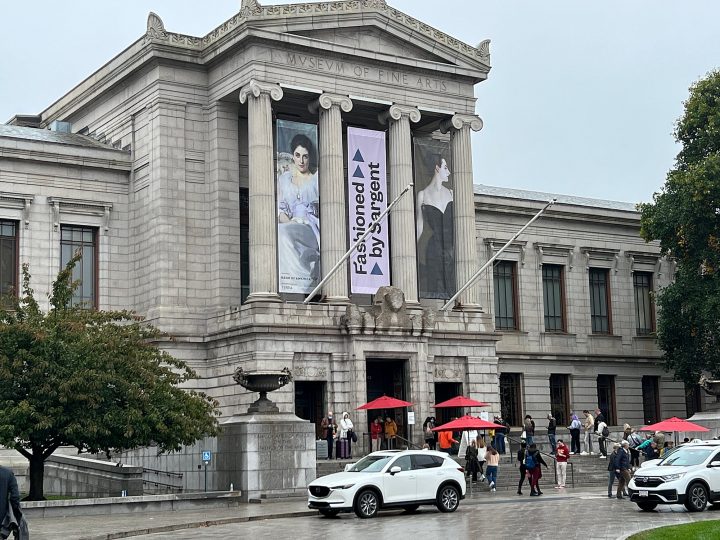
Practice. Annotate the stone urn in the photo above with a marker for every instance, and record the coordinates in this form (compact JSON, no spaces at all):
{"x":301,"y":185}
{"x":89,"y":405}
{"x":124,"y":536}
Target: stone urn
{"x":263,"y":382}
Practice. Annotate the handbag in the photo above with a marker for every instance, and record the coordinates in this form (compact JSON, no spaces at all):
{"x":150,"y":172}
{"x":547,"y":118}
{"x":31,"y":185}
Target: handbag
{"x":353,"y":436}
{"x":523,"y":435}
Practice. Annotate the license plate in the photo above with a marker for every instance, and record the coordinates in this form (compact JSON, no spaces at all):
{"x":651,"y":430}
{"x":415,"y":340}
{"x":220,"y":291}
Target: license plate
{"x":643,"y":493}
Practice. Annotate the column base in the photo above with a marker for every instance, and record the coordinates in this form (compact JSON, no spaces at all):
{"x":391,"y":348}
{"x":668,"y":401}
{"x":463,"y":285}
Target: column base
{"x":468,"y":308}
{"x":263,"y":297}
{"x":336,"y":300}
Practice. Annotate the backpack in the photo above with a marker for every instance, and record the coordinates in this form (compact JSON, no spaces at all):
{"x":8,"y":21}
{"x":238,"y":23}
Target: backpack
{"x":529,"y":461}
{"x":605,"y":431}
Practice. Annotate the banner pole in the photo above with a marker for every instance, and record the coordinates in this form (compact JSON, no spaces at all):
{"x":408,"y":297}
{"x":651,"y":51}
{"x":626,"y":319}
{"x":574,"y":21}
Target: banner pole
{"x":492,"y":259}
{"x":356,"y":244}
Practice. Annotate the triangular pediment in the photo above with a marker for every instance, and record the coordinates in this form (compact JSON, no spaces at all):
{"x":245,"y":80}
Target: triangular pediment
{"x":372,"y":40}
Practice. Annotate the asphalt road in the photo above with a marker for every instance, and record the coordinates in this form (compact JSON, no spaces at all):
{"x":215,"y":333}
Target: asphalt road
{"x":565,"y":517}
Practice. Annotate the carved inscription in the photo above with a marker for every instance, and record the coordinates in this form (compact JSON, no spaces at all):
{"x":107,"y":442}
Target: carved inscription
{"x":310,"y":371}
{"x":268,"y":442}
{"x":358,"y":71}
{"x":447,"y":373}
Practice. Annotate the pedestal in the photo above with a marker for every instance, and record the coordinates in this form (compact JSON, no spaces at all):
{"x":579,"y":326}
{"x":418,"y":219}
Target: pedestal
{"x":266,"y":455}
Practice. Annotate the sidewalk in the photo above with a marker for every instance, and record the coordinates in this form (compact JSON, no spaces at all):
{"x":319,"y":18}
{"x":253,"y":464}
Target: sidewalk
{"x":112,"y":526}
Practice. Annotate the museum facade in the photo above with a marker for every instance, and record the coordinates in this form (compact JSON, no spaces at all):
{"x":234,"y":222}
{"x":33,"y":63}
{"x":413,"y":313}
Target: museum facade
{"x":212,"y":182}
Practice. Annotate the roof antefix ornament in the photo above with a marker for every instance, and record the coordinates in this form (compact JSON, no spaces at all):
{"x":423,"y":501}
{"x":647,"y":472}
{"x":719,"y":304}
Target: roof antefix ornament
{"x":155,"y":28}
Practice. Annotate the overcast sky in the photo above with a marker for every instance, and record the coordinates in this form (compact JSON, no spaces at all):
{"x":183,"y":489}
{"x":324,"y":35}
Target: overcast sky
{"x":581,"y":99}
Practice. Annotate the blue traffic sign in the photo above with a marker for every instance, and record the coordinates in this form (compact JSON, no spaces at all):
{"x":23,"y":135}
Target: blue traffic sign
{"x":206,"y":455}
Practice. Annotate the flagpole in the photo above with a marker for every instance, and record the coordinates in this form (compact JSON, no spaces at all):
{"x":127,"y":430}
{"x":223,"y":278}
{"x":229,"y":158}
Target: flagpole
{"x":492,"y":259}
{"x":356,"y":244}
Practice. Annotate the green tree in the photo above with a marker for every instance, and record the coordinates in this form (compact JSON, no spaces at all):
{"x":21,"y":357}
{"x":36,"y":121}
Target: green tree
{"x":91,"y":379}
{"x":685,"y":217}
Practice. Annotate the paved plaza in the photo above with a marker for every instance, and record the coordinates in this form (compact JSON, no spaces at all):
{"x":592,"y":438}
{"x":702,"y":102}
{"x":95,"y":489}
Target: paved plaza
{"x":574,"y":514}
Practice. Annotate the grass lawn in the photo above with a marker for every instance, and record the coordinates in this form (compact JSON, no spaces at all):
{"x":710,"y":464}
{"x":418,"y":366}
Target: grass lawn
{"x":703,"y":530}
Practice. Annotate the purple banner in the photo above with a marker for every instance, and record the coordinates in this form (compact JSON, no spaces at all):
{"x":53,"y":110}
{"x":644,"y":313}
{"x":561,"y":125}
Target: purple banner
{"x":367,"y":199}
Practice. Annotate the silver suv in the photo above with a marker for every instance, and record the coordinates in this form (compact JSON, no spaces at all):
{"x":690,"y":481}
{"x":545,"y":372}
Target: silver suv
{"x":690,"y":475}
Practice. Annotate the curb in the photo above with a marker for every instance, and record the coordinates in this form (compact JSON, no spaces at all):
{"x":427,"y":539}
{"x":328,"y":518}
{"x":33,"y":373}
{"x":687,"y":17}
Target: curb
{"x":195,"y":525}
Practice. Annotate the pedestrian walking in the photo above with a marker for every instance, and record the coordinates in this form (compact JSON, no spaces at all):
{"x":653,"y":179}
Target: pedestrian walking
{"x":562,"y":454}
{"x":533,"y":461}
{"x":523,"y":470}
{"x":347,"y":431}
{"x":11,"y":517}
{"x":493,"y":460}
{"x":603,"y":432}
{"x":428,"y":426}
{"x":472,"y":465}
{"x":574,"y":428}
{"x":390,"y":433}
{"x":634,"y":440}
{"x":499,"y":439}
{"x":529,"y":426}
{"x":622,"y":468}
{"x":588,"y":429}
{"x":611,"y":469}
{"x":466,"y":437}
{"x":552,"y":426}
{"x":329,"y":432}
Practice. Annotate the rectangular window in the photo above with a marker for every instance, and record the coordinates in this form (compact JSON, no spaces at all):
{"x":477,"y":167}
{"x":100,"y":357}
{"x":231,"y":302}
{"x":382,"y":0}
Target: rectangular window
{"x":510,"y":398}
{"x":600,"y":315}
{"x":693,"y":399}
{"x":74,"y":238}
{"x":606,"y":398}
{"x":8,"y":258}
{"x":644,"y":313}
{"x":553,"y":298}
{"x":244,"y":244}
{"x":651,"y":399}
{"x":504,"y":279}
{"x":560,"y":398}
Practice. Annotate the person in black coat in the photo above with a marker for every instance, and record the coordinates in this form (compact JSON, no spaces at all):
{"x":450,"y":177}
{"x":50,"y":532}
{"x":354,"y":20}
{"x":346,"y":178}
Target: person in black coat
{"x":9,"y":492}
{"x":523,"y":469}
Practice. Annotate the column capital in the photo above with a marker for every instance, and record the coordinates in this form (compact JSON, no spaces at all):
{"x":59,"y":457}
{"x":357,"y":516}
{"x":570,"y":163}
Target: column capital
{"x":396,"y":112}
{"x":327,"y":101}
{"x":459,"y":121}
{"x":256,"y":88}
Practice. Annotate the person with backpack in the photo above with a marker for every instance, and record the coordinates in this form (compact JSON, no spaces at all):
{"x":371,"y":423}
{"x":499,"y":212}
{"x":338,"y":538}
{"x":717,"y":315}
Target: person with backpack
{"x":603,"y":433}
{"x":533,"y":461}
{"x":529,"y":426}
{"x":634,"y":440}
{"x":523,"y":470}
{"x":574,"y":428}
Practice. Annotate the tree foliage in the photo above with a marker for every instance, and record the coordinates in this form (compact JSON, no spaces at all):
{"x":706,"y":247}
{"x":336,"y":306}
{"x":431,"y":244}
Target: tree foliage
{"x":90,"y":379}
{"x":685,"y":217}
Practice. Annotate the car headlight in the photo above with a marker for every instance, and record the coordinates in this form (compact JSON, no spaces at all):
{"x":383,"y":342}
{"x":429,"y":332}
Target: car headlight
{"x":346,"y":486}
{"x":669,"y":477}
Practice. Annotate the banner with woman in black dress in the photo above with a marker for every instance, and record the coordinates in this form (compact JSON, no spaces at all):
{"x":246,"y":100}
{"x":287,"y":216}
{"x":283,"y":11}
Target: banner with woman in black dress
{"x":434,"y":216}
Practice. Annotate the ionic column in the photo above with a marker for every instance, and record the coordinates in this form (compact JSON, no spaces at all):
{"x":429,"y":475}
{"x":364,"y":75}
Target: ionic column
{"x":403,"y":247}
{"x":333,"y":219}
{"x":263,"y":211}
{"x":466,"y":261}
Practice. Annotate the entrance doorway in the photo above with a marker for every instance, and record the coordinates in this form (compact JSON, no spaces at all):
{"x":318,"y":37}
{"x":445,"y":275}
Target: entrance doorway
{"x":387,"y":378}
{"x":443,"y":392}
{"x":310,"y":402}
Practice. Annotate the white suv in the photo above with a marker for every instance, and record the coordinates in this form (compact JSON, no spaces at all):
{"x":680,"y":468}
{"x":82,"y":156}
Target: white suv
{"x":392,"y":479}
{"x":690,"y":475}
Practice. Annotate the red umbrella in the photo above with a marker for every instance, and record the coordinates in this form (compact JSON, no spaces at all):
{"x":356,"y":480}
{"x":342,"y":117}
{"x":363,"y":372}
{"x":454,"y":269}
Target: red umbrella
{"x":674,"y":424}
{"x":467,"y":422}
{"x":384,"y":402}
{"x":461,"y":401}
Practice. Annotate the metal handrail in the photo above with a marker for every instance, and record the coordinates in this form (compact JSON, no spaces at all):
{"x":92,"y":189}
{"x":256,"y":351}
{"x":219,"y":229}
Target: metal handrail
{"x":408,"y":443}
{"x":551,"y":456}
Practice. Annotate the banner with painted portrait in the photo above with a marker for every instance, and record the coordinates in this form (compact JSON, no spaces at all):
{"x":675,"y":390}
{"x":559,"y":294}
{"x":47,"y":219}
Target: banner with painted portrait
{"x":367,"y":199}
{"x":298,"y":207}
{"x":434,"y":216}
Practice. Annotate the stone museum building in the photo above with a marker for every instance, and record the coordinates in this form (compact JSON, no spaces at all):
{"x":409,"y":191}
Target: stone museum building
{"x":211,"y":182}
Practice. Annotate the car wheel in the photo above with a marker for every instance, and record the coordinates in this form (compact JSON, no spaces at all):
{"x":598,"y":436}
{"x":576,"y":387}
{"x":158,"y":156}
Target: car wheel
{"x":696,"y":498}
{"x":329,"y":512}
{"x":367,"y":504}
{"x":647,"y":506}
{"x":411,"y":508}
{"x":448,"y":498}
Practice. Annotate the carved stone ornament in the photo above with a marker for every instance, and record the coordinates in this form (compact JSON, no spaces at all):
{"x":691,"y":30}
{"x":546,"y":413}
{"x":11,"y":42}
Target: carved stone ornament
{"x":396,"y":112}
{"x":155,"y":28}
{"x":257,"y":88}
{"x":327,"y":100}
{"x":262,"y":382}
{"x":484,"y":50}
{"x":389,"y":309}
{"x":458,"y":121}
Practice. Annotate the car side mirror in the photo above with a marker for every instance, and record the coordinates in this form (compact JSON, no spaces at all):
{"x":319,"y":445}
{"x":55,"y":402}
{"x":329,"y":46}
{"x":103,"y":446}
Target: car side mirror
{"x":349,"y":466}
{"x":396,"y":469}
{"x":714,"y":464}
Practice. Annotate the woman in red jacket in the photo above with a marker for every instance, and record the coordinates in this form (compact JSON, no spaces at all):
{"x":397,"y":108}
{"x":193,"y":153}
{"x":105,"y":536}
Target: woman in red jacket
{"x":376,"y":430}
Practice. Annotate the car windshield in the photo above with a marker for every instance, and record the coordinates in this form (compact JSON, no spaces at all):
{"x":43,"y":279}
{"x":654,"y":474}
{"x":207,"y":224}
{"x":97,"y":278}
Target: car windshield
{"x":686,"y":456}
{"x":371,"y":464}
